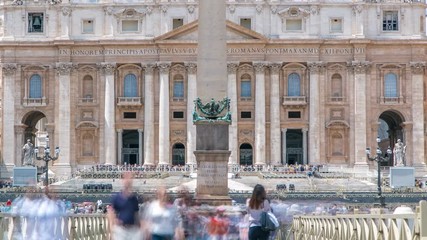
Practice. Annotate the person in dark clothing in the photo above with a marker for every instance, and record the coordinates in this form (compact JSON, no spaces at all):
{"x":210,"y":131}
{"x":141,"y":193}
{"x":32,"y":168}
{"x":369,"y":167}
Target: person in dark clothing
{"x":123,"y":213}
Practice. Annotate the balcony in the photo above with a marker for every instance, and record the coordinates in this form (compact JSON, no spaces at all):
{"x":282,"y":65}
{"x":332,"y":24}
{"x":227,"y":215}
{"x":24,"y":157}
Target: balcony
{"x":129,"y":102}
{"x":87,"y":101}
{"x":34,"y":102}
{"x":295,"y":101}
{"x":392,"y":100}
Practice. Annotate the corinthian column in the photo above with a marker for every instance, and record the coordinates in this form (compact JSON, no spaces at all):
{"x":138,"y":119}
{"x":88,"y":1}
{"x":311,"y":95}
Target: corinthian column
{"x":8,"y":114}
{"x":314,"y":124}
{"x":164,"y":138}
{"x":360,"y":69}
{"x":418,"y":153}
{"x":275,"y":157}
{"x":191,"y":96}
{"x":109,"y":114}
{"x":149,"y":115}
{"x":233,"y":129}
{"x":260,"y":113}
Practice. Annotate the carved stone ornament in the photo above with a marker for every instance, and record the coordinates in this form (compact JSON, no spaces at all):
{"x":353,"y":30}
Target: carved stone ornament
{"x":294,"y":12}
{"x":417,"y":67}
{"x":149,"y":10}
{"x":64,"y":68}
{"x":164,"y":8}
{"x":17,"y":2}
{"x":213,"y":111}
{"x":275,"y":68}
{"x":164,"y":67}
{"x":232,"y":8}
{"x":108,"y":68}
{"x":129,"y":13}
{"x":9,"y":68}
{"x":259,"y":8}
{"x":149,"y":68}
{"x":54,"y":2}
{"x":232,"y":67}
{"x":315,"y":10}
{"x":191,"y":67}
{"x":66,"y":11}
{"x":109,"y":10}
{"x":191,"y":8}
{"x":260,"y":67}
{"x":273,"y":9}
{"x":357,"y":9}
{"x":316,"y":67}
{"x":360,"y":67}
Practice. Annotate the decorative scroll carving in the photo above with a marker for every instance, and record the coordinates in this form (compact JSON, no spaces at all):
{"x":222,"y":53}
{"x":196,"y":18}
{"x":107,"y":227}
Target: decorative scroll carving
{"x":357,"y":9}
{"x":275,"y":68}
{"x":417,"y":67}
{"x":164,"y":67}
{"x":232,"y":67}
{"x":259,"y":8}
{"x":149,"y":68}
{"x":54,"y":2}
{"x":108,"y":10}
{"x":360,"y":67}
{"x":316,"y":67}
{"x":149,"y":10}
{"x":64,"y":68}
{"x":108,"y":68}
{"x":294,"y":12}
{"x":191,"y":67}
{"x":232,"y":8}
{"x":273,"y":9}
{"x":17,"y":2}
{"x":191,"y":8}
{"x":66,"y":11}
{"x":129,"y":13}
{"x":164,"y":8}
{"x":314,"y":10}
{"x":9,"y":68}
{"x":260,"y":67}
{"x":213,"y":111}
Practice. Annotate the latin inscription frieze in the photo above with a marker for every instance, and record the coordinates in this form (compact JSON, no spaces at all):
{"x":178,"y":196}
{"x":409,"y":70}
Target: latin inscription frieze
{"x":193,"y":51}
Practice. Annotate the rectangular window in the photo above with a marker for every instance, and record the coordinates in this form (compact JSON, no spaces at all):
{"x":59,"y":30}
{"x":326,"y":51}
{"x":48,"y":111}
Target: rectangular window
{"x":87,"y":26}
{"x":245,"y":89}
{"x":178,"y":89}
{"x":35,"y":22}
{"x":390,"y":21}
{"x":336,"y":25}
{"x":130,"y":26}
{"x":129,"y":115}
{"x":179,"y":115}
{"x":294,"y":114}
{"x":293,"y":24}
{"x":246,"y":22}
{"x":245,"y":114}
{"x":177,"y":22}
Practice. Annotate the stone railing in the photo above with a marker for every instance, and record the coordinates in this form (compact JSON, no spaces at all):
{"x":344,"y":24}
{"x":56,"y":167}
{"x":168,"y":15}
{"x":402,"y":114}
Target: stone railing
{"x":93,"y":226}
{"x":362,"y":226}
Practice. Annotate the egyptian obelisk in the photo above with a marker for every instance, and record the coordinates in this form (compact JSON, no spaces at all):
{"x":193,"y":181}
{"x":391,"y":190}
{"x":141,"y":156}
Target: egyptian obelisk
{"x":212,"y":135}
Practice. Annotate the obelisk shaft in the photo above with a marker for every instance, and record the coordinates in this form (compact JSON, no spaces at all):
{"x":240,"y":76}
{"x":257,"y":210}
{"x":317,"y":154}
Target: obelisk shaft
{"x":212,"y":50}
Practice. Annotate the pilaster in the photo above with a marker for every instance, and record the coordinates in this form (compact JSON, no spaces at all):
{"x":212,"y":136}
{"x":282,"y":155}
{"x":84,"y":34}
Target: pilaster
{"x":191,"y":96}
{"x":8,"y":115}
{"x":149,"y":131}
{"x":233,"y":129}
{"x":275,"y":158}
{"x":314,"y":113}
{"x":418,"y":139}
{"x":260,"y":113}
{"x":164,"y":137}
{"x":110,"y":145}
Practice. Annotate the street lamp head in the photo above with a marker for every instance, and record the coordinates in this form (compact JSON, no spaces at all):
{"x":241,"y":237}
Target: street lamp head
{"x":47,"y":138}
{"x":36,"y":150}
{"x":379,"y":152}
{"x":47,"y":150}
{"x":368,"y":151}
{"x":389,"y":152}
{"x":57,"y":150}
{"x":378,"y":139}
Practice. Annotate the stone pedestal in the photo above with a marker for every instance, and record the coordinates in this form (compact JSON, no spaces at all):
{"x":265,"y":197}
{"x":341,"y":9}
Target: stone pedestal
{"x":212,"y":156}
{"x":402,"y":177}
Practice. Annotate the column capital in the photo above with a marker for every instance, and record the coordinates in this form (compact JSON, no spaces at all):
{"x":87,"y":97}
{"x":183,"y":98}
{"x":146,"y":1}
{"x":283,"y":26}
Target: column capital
{"x":108,"y":68}
{"x":148,"y":67}
{"x":260,"y":67}
{"x":66,"y":11}
{"x":417,"y":67}
{"x":360,"y":67}
{"x":119,"y":130}
{"x":9,"y":68}
{"x":191,"y":67}
{"x":140,"y":130}
{"x":232,"y":67}
{"x":275,"y":67}
{"x":316,"y":67}
{"x":164,"y":67}
{"x":64,"y":68}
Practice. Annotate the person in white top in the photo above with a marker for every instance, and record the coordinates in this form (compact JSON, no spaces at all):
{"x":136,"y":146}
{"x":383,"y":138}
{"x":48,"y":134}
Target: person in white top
{"x":256,"y":205}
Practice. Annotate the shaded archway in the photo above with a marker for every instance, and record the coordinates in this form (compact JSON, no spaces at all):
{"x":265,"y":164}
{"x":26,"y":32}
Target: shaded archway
{"x":246,"y":154}
{"x":178,"y":154}
{"x":389,"y":130}
{"x":35,"y":127}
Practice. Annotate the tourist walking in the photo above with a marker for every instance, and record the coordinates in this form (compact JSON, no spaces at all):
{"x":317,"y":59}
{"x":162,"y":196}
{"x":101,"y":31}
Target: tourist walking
{"x":123,"y":213}
{"x":256,"y":205}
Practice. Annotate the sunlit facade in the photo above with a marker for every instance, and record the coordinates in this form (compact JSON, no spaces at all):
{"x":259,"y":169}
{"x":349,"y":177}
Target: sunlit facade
{"x":310,"y":82}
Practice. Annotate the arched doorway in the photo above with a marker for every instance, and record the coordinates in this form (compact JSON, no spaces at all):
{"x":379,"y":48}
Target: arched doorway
{"x":294,"y":146}
{"x":35,"y":128}
{"x":246,"y":154}
{"x":178,"y":154}
{"x":389,"y":131}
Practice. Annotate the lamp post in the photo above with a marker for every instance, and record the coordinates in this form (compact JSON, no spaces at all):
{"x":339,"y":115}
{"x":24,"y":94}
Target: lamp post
{"x":379,"y":159}
{"x":46,"y":157}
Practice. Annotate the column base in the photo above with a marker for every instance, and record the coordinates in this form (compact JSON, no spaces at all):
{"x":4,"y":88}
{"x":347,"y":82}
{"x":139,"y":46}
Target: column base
{"x":61,"y":170}
{"x":361,"y":169}
{"x":212,"y":200}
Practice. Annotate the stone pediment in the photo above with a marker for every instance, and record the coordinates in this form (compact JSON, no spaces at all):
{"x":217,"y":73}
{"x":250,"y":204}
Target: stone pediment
{"x":189,"y":32}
